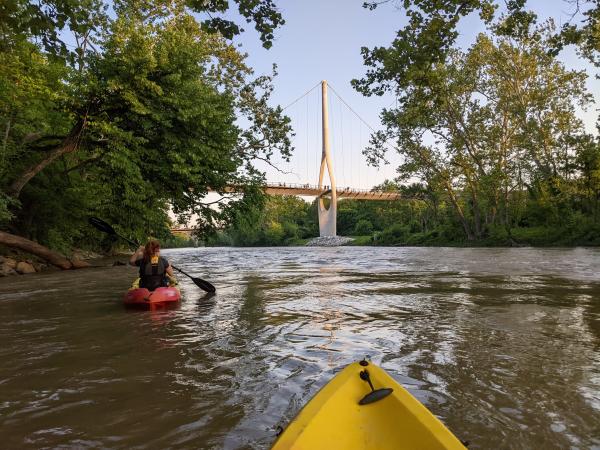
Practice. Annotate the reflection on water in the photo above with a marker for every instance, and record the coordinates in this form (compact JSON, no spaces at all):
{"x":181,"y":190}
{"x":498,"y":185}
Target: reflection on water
{"x":502,"y":344}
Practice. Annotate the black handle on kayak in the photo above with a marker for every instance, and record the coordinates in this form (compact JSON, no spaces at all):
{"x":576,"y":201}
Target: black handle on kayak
{"x":375,"y":394}
{"x":107,"y":228}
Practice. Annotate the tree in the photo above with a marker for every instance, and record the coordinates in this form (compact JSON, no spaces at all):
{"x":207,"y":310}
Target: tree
{"x":281,"y":220}
{"x":588,"y":163}
{"x":484,"y":124}
{"x":48,"y":20}
{"x":432,"y":31}
{"x":142,"y":115}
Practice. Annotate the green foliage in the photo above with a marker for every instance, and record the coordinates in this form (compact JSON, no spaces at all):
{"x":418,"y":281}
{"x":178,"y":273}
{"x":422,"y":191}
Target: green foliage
{"x":539,"y":235}
{"x":395,"y":234}
{"x":362,"y":240}
{"x":426,"y":219}
{"x":140,"y":118}
{"x":363,"y":226}
{"x":424,"y":42}
{"x":87,"y":19}
{"x":145,"y":115}
{"x":273,"y":233}
{"x":32,"y":96}
{"x":279,"y":221}
{"x":178,"y":241}
{"x":491,"y":132}
{"x":432,"y":31}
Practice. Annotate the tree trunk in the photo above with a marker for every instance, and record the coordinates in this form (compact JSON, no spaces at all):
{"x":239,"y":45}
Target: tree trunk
{"x":5,"y":142}
{"x":459,"y":211}
{"x":6,"y":135}
{"x":54,"y":258}
{"x":70,"y":144}
{"x":476,"y":211}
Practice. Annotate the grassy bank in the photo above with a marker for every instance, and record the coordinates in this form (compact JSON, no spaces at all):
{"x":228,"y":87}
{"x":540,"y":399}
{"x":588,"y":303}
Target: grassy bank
{"x":497,"y":237}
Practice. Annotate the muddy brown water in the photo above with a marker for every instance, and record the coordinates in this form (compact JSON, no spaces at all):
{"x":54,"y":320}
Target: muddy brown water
{"x":503,"y":345}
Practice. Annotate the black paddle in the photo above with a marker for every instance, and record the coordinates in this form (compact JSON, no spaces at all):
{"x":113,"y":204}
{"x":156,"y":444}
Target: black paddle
{"x":105,"y":227}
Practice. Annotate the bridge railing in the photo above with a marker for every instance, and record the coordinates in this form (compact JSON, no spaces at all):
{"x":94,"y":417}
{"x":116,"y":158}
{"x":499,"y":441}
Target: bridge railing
{"x":323,"y":188}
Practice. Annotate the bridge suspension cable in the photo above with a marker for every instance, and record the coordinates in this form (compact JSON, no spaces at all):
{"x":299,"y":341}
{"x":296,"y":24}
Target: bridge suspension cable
{"x":350,"y":108}
{"x":347,"y":137}
{"x":303,"y":95}
{"x":387,"y":142}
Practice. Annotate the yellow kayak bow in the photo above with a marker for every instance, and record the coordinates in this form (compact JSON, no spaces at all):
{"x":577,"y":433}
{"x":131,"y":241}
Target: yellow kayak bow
{"x":363,"y":407}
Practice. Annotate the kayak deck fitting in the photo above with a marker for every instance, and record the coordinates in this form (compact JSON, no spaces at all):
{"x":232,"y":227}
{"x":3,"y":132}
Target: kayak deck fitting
{"x":363,"y":407}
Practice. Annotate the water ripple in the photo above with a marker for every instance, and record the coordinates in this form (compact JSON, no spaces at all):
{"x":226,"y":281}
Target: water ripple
{"x":502,"y":344}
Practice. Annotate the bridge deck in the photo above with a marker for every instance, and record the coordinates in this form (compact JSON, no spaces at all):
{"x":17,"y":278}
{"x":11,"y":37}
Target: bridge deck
{"x":309,"y":190}
{"x":316,"y":191}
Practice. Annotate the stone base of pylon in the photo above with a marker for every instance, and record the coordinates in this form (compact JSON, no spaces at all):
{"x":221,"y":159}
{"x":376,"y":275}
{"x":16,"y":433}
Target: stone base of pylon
{"x":329,"y":241}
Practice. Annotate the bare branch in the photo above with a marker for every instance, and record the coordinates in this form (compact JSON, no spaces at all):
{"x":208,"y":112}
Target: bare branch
{"x":272,"y":165}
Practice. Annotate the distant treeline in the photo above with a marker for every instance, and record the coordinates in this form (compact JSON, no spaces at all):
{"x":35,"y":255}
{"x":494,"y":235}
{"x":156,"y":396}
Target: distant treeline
{"x":427,"y":220}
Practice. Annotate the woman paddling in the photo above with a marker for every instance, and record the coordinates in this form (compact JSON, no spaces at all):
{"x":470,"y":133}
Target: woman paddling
{"x":155,"y":271}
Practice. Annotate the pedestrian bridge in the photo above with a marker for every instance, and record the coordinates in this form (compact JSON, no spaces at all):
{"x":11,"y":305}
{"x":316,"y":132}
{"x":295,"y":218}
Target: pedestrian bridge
{"x":314,"y":190}
{"x":327,"y":210}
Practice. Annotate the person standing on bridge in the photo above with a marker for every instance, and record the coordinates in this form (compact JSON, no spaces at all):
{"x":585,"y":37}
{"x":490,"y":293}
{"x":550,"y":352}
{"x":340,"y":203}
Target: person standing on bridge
{"x":155,"y":270}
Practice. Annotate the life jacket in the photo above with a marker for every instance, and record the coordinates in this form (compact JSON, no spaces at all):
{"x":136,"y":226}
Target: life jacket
{"x":153,"y":273}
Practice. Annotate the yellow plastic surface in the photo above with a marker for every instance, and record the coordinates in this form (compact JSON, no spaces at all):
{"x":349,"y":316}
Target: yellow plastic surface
{"x":333,"y":419}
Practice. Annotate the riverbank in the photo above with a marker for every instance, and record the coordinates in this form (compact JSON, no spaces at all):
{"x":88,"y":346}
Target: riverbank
{"x":16,"y":262}
{"x":496,"y":237}
{"x":329,"y":241}
{"x":401,"y":234}
{"x":525,"y":237}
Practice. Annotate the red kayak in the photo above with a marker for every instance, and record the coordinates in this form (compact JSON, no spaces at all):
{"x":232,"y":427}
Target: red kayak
{"x":162,"y":296}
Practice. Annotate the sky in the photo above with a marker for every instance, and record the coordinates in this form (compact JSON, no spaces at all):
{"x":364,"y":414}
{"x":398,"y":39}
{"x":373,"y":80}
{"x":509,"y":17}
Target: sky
{"x":321,"y":40}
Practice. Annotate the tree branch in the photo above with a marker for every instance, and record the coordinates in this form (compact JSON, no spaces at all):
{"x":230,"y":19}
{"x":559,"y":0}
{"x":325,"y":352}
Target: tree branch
{"x":34,"y":248}
{"x":70,"y":144}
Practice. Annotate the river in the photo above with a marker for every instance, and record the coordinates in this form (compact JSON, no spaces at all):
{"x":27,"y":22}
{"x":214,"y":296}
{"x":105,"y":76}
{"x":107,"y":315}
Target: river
{"x":503,"y":345}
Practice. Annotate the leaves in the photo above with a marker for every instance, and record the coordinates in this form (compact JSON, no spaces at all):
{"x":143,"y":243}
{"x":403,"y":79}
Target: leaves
{"x":155,"y":102}
{"x":486,"y":125}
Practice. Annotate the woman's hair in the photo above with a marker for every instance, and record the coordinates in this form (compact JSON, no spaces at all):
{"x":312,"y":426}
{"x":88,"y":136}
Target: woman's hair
{"x":151,"y":248}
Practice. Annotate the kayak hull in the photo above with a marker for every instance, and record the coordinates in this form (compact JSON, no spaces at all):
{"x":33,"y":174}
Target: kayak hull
{"x":334,"y":419}
{"x":160,"y":297}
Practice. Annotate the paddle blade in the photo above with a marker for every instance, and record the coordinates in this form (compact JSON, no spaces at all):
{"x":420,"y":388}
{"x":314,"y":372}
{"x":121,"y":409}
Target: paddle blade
{"x":203,"y":284}
{"x":101,"y":225}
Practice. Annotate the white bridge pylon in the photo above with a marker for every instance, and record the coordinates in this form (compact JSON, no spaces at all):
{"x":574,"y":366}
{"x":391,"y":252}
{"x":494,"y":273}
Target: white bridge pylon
{"x":327,"y":216}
